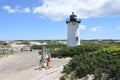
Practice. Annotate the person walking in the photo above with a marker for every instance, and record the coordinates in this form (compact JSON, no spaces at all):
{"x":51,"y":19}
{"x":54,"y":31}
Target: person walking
{"x":48,"y":57}
{"x":42,"y":62}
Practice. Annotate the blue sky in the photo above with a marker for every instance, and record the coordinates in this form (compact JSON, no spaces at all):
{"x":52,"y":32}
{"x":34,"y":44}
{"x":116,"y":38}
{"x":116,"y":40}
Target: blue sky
{"x":45,"y":19}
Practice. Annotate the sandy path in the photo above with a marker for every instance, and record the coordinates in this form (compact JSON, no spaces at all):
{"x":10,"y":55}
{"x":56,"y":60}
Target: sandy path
{"x":21,"y":66}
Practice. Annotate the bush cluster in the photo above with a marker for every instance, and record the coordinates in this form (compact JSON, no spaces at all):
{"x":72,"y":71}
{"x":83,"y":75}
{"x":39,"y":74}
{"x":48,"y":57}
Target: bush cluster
{"x":72,"y":51}
{"x":102,"y":62}
{"x":51,"y":46}
{"x":24,"y":42}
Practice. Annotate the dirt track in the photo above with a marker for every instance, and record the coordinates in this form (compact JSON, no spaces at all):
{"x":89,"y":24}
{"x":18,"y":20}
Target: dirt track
{"x":24,"y":66}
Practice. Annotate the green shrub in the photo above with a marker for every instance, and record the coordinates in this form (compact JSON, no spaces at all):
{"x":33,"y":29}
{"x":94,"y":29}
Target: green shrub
{"x":72,"y":51}
{"x":105,"y":61}
{"x":24,"y":42}
{"x":51,"y":46}
{"x":63,"y":78}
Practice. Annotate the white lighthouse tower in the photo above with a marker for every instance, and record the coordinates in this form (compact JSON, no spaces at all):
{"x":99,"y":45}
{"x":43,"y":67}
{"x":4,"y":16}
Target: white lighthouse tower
{"x":73,"y":38}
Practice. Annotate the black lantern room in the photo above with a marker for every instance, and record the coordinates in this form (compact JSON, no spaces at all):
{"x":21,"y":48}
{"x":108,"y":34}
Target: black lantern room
{"x":73,"y":18}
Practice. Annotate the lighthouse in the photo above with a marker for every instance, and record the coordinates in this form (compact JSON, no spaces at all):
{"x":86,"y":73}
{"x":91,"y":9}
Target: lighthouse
{"x":73,"y":36}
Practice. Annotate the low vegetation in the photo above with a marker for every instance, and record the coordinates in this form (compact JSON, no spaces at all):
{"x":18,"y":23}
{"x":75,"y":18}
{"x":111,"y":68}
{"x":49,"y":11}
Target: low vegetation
{"x":77,"y":50}
{"x":50,"y":46}
{"x":24,"y":42}
{"x":102,"y":61}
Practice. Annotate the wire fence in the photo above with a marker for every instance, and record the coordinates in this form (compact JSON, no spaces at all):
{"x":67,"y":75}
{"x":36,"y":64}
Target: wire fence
{"x":14,"y":50}
{"x":6,"y":50}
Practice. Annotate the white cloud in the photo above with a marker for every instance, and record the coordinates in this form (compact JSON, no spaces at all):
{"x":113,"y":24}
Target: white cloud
{"x":82,"y":27}
{"x":9,"y":9}
{"x":42,"y":17}
{"x":118,"y":28}
{"x":26,"y":10}
{"x":96,"y":29}
{"x":17,"y":9}
{"x":60,"y":9}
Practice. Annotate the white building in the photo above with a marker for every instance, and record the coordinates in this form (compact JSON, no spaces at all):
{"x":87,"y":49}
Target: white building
{"x":73,"y":38}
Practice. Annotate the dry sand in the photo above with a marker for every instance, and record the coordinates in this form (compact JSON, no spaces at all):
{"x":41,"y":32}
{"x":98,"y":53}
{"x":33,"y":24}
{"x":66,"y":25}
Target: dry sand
{"x":24,"y":66}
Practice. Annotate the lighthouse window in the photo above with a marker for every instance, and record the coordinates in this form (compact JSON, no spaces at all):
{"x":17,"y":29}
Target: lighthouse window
{"x":76,"y":38}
